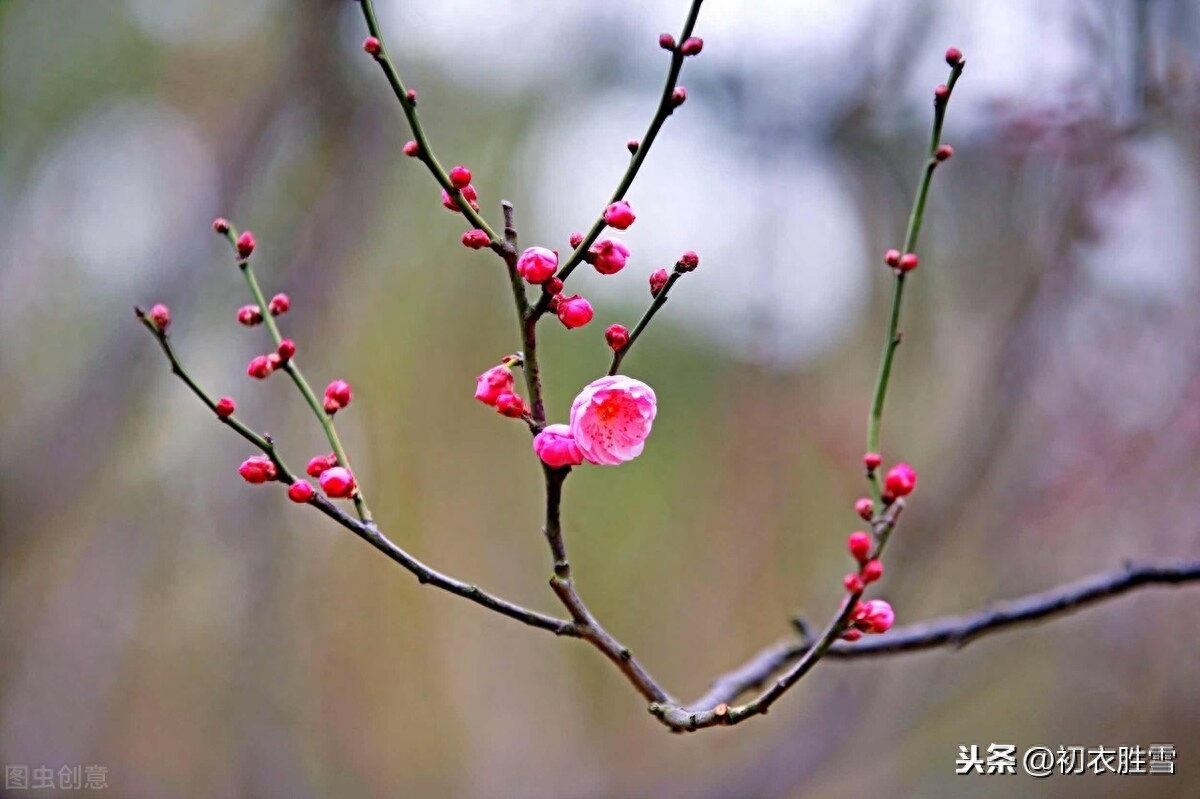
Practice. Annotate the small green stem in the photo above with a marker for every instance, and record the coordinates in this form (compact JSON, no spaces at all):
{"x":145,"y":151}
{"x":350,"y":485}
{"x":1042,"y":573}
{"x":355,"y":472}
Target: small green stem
{"x":425,"y":151}
{"x":664,"y":110}
{"x":915,"y":218}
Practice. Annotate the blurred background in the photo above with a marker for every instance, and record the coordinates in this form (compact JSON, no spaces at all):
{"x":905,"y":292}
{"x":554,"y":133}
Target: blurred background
{"x":202,"y":637}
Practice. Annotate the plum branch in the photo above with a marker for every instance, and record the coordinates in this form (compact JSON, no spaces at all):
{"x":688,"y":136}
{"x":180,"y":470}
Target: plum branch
{"x":774,"y":670}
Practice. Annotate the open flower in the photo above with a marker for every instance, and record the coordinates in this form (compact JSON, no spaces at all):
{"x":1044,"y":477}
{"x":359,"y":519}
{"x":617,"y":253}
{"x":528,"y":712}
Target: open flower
{"x":611,"y":418}
{"x":556,"y":447}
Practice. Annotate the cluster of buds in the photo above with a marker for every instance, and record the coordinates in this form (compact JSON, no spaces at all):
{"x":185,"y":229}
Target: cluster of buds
{"x":901,"y":263}
{"x":336,"y":481}
{"x":495,"y":388}
{"x":873,"y":616}
{"x":870,"y":569}
{"x":262,"y":366}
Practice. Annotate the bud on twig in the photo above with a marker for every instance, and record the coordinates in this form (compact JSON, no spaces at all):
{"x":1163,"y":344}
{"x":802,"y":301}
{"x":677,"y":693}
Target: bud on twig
{"x":658,"y":279}
{"x":160,"y":315}
{"x":617,"y":337}
{"x":245,"y":245}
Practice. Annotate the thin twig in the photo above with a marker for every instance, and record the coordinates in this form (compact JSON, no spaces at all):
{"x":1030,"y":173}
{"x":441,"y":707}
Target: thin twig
{"x":958,"y":631}
{"x":363,"y":529}
{"x":915,"y":218}
{"x":665,"y":107}
{"x":293,"y":370}
{"x":425,"y":151}
{"x":586,"y":624}
{"x":659,"y":301}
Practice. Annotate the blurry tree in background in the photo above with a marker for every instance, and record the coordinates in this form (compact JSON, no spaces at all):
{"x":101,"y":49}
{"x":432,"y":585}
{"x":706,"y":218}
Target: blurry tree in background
{"x":200,"y":638}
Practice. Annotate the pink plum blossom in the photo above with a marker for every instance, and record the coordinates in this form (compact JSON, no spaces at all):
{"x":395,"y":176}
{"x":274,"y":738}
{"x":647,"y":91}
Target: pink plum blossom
{"x":556,"y":447}
{"x":573,"y":311}
{"x":492,"y":383}
{"x":537,"y":264}
{"x":608,"y":256}
{"x":611,"y":418}
{"x":874,"y":616}
{"x":619,"y":215}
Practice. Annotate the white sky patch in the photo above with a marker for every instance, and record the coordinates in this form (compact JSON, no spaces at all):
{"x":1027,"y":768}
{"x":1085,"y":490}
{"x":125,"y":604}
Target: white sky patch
{"x":783,"y":269}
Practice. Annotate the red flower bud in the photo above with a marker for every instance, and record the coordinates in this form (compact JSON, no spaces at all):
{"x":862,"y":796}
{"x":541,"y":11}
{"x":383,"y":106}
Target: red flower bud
{"x":859,"y":544}
{"x":300,"y":491}
{"x":619,"y":215}
{"x":941,"y":93}
{"x":260,"y":366}
{"x":468,"y":193}
{"x":460,"y":176}
{"x":476,"y":239}
{"x":872,"y":459}
{"x":900,"y":481}
{"x":412,"y":149}
{"x":666,"y":41}
{"x":576,"y":240}
{"x":617,"y":337}
{"x":852,"y":635}
{"x":632,"y":146}
{"x":257,"y":469}
{"x":658,"y":279}
{"x":892,"y":258}
{"x":225,"y":407}
{"x":411,"y":94}
{"x":872,"y":570}
{"x":249,"y":315}
{"x":692,"y":45}
{"x":574,"y":311}
{"x":553,"y":286}
{"x":317,"y":466}
{"x":279,"y":304}
{"x":221,"y":225}
{"x":853,"y":583}
{"x":687,"y":262}
{"x":338,"y":483}
{"x":510,"y":405}
{"x":339,"y":393}
{"x":908,"y":262}
{"x":371,"y":46}
{"x":865,"y":508}
{"x":160,"y":315}
{"x":954,"y":56}
{"x":678,"y":97}
{"x":287,"y":348}
{"x":245,"y":244}
{"x":944,"y":152}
